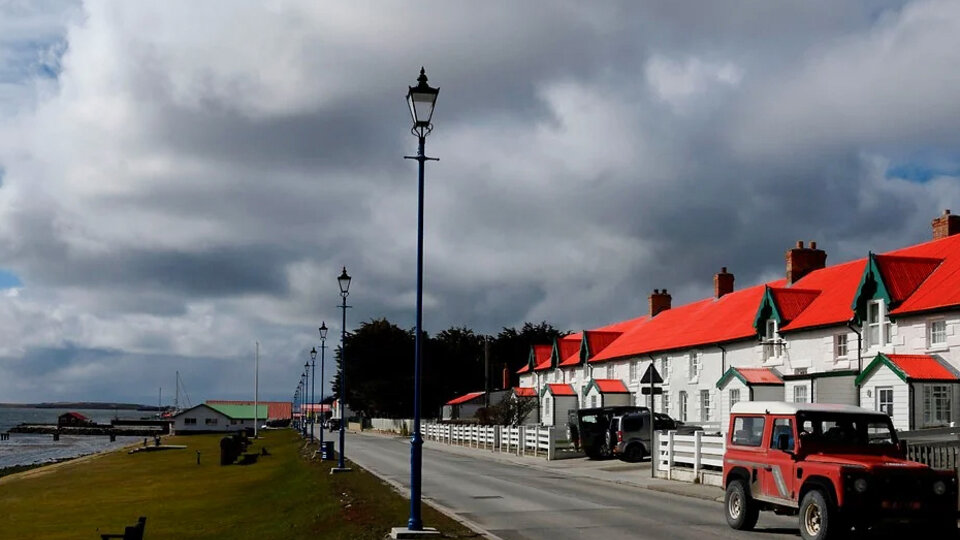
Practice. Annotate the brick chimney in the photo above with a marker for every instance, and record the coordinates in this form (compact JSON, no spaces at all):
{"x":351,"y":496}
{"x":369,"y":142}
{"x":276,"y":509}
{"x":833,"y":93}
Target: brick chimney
{"x":801,"y":261}
{"x":659,"y":301}
{"x":506,"y":378}
{"x":722,"y":283}
{"x":945,"y":225}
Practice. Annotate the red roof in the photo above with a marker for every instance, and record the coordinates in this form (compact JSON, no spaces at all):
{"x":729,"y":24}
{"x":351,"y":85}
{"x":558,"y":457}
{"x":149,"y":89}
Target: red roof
{"x":942,"y":287}
{"x":611,"y":386}
{"x":568,"y":347}
{"x":541,"y":357}
{"x":837,"y":285}
{"x":727,"y":318}
{"x":524,"y":391}
{"x":902,"y":275}
{"x":760,"y":375}
{"x":465,"y":398}
{"x":921,"y":367}
{"x":622,"y":326}
{"x":790,"y":302}
{"x":276,"y":410}
{"x":524,"y":369}
{"x":561,"y":389}
{"x":76,"y":415}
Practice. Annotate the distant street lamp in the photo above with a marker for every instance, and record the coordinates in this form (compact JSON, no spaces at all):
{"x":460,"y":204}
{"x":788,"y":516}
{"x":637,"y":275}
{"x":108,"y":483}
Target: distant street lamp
{"x":344,"y":281}
{"x":323,"y":347}
{"x":421,"y":99}
{"x":313,"y":391}
{"x":303,"y":404}
{"x":306,"y":367}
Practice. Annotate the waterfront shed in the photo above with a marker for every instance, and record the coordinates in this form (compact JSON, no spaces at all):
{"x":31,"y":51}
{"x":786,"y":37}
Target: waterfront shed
{"x":73,"y":419}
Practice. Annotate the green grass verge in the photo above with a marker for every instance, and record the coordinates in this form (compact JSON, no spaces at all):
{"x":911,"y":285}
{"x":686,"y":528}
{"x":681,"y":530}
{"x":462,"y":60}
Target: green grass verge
{"x":283,"y":496}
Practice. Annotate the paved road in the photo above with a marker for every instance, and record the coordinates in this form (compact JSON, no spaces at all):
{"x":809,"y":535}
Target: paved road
{"x":514,"y":501}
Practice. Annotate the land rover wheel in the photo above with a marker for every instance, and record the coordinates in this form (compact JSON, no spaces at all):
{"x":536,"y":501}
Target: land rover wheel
{"x":819,"y":520}
{"x":742,"y":512}
{"x":634,"y":453}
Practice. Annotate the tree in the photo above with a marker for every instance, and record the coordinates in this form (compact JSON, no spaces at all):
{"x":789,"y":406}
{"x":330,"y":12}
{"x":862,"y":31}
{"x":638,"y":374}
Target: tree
{"x":452,"y":366}
{"x":512,"y":411}
{"x":379,"y":370}
{"x":511,"y":348}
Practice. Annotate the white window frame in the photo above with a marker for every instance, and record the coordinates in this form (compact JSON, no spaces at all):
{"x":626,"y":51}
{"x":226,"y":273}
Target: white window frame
{"x":609,"y":372}
{"x":937,"y":334}
{"x":634,"y":371}
{"x":682,"y":406}
{"x":693,"y":366}
{"x":937,"y":404}
{"x":841,"y":347}
{"x":879,"y":324}
{"x":734,"y":396}
{"x":665,"y":369}
{"x":665,"y":402}
{"x":885,"y":403}
{"x":801,"y":391}
{"x":546,"y":406}
{"x":773,"y":344}
{"x":705,"y":408}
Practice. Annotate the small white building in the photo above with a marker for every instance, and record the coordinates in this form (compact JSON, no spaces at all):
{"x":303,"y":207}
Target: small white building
{"x":928,"y":384}
{"x":606,"y":393}
{"x":465,"y":406}
{"x":205,"y":418}
{"x":557,"y":400}
{"x":747,"y":384}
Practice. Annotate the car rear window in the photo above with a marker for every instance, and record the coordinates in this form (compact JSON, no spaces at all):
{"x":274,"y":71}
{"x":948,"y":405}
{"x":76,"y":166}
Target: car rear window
{"x":747,"y":431}
{"x":631,"y":423}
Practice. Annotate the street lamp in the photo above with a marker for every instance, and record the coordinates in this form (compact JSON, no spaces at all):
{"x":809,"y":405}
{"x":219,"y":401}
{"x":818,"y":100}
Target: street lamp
{"x":311,"y":375}
{"x":313,"y":391}
{"x":344,"y":281}
{"x":421,"y":99}
{"x":323,"y":346}
{"x":303,"y":404}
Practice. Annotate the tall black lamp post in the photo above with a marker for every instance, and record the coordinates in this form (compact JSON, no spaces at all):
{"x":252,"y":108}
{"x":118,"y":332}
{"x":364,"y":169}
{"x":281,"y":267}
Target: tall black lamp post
{"x":313,"y":390}
{"x":344,"y":281}
{"x":311,"y":377}
{"x":421,"y":99}
{"x":323,"y":346}
{"x":303,"y":404}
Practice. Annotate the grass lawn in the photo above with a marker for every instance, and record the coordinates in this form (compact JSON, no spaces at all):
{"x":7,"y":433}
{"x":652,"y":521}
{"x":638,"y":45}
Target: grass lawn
{"x":283,"y":496}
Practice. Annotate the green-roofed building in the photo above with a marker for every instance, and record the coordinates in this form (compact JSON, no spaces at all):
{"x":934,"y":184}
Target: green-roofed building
{"x":240,"y":412}
{"x":218,"y":418}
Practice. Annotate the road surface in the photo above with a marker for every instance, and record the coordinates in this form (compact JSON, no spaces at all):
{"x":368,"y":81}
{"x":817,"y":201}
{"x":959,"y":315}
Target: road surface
{"x":514,"y":501}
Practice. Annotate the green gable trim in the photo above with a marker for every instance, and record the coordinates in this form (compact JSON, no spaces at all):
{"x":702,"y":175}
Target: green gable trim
{"x":584,"y":348}
{"x":530,"y":359}
{"x":732,"y":372}
{"x":555,"y":354}
{"x":871,"y":287}
{"x":880,"y":360}
{"x":765,"y":311}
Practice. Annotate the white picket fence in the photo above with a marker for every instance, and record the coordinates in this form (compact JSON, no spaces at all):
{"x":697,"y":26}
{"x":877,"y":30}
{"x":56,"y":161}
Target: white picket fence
{"x":520,"y":440}
{"x":689,"y":457}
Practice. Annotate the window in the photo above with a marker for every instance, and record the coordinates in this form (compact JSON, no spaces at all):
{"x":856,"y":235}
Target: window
{"x":772,"y":344}
{"x":634,"y":368}
{"x":210,"y":421}
{"x":800,"y":394}
{"x":840,"y":346}
{"x":782,"y":426}
{"x":189,"y":421}
{"x":593,"y":400}
{"x":885,"y":400}
{"x":609,"y":372}
{"x":683,"y":407}
{"x":936,"y":404}
{"x":747,"y":431}
{"x":704,"y":405}
{"x":665,"y":402}
{"x":546,"y":408}
{"x":734,"y":396}
{"x":878,"y":327}
{"x":936,"y":334}
{"x":694,"y":367}
{"x":800,"y":371}
{"x":665,"y":369}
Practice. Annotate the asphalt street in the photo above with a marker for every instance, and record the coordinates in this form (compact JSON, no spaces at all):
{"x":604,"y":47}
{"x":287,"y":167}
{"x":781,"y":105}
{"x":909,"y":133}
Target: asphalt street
{"x":515,"y":501}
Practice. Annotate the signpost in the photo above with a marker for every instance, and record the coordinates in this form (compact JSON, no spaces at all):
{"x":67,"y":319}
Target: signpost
{"x":652,"y":379}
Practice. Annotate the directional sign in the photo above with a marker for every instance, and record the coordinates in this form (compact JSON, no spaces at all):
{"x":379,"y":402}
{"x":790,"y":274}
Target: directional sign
{"x":651,"y":373}
{"x":645,"y":390}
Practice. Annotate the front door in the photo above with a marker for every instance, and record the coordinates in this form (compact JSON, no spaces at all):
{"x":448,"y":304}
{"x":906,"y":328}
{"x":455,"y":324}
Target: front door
{"x":777,"y":477}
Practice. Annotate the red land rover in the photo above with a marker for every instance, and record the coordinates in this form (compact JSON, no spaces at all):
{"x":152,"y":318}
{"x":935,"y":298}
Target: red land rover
{"x":838,"y":467}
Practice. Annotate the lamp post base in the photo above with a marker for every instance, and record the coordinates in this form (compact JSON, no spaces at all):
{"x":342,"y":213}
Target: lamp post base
{"x":336,"y":470}
{"x":403,"y":532}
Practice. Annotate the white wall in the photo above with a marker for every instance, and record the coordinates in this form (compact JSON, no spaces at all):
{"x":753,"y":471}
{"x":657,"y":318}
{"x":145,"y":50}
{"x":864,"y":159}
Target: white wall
{"x":883,"y":377}
{"x":207,"y":419}
{"x":840,"y":390}
{"x":724,"y":414}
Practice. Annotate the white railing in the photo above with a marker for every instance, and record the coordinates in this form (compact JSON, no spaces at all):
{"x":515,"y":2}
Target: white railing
{"x":696,"y":452}
{"x":518,"y":440}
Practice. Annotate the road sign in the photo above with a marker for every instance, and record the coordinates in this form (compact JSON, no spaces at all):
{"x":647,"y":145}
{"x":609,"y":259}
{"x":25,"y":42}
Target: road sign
{"x":645,"y":390}
{"x":651,"y":373}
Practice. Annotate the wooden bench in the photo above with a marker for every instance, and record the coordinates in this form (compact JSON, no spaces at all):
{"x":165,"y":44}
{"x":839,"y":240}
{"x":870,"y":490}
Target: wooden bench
{"x":133,"y":532}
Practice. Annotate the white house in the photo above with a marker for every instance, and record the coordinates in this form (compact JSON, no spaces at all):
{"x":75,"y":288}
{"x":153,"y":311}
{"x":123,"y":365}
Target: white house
{"x":747,"y":384}
{"x":465,"y":406}
{"x":925,"y":382}
{"x":206,"y":418}
{"x":555,"y":402}
{"x":606,"y":393}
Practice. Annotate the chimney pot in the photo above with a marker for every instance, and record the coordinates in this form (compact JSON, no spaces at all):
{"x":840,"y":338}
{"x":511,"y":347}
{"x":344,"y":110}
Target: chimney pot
{"x":813,"y":245}
{"x":801,"y":261}
{"x":722,"y":283}
{"x":799,"y":244}
{"x":723,"y":269}
{"x":945,"y":225}
{"x":659,"y":301}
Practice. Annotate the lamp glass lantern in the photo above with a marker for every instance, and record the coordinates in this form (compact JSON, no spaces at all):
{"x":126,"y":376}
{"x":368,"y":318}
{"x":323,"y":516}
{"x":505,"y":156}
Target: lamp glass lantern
{"x":344,"y":281}
{"x":421,"y":99}
{"x":313,"y":353}
{"x":323,"y":329}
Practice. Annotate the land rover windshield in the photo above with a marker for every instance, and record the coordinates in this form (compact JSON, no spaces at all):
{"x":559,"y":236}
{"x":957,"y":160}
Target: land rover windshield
{"x":839,"y":432}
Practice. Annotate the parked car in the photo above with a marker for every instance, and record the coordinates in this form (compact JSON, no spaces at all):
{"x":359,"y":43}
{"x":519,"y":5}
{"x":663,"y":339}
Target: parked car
{"x":333,"y":424}
{"x":630,"y":433}
{"x":837,"y":467}
{"x":589,"y":429}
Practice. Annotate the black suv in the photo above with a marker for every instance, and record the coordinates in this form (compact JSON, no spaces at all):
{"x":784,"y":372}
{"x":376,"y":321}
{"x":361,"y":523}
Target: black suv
{"x":589,"y":429}
{"x":630,"y":433}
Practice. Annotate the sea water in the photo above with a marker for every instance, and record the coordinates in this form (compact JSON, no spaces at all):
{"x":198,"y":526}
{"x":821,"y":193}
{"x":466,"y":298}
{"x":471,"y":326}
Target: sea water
{"x":27,"y":449}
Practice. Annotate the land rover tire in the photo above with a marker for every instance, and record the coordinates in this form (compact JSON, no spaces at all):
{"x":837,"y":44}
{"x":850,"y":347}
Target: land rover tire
{"x":819,"y":519}
{"x":634,"y":453}
{"x":741,"y":510}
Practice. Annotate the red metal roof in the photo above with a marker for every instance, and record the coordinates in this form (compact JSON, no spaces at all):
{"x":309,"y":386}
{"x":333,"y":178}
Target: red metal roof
{"x":611,"y":386}
{"x":727,"y":318}
{"x":561,"y":389}
{"x":276,"y":410}
{"x":465,"y":398}
{"x":837,"y":285}
{"x":541,"y":357}
{"x":942,"y":287}
{"x":599,"y":340}
{"x":76,"y":415}
{"x":524,"y":391}
{"x":760,"y":375}
{"x":568,"y":348}
{"x":621,"y":326}
{"x":790,"y":302}
{"x":922,"y":367}
{"x":902,"y":275}
{"x":524,"y":369}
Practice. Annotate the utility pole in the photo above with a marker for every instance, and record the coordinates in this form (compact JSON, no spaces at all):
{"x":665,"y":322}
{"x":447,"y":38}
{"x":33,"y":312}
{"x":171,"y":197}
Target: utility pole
{"x":256,"y":391}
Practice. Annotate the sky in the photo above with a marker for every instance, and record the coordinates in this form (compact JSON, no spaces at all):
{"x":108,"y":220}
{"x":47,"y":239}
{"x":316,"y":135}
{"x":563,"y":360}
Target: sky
{"x":181,"y":180}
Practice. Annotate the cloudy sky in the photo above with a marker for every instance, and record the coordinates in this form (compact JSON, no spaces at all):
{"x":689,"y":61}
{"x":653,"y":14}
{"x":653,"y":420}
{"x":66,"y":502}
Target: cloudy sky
{"x":182,"y":179}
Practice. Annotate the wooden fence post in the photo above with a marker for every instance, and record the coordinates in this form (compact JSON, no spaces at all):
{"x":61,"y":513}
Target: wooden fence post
{"x":670,"y":455}
{"x":697,"y":442}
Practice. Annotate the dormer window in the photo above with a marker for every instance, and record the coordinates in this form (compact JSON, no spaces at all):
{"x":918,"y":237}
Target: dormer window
{"x":772,"y":344}
{"x":878,"y":326}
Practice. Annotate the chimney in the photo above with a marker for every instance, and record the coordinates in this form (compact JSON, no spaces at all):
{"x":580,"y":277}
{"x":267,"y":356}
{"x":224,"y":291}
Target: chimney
{"x":659,"y":301}
{"x":945,"y":225}
{"x":801,"y":261}
{"x":722,"y":283}
{"x":506,"y":377}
